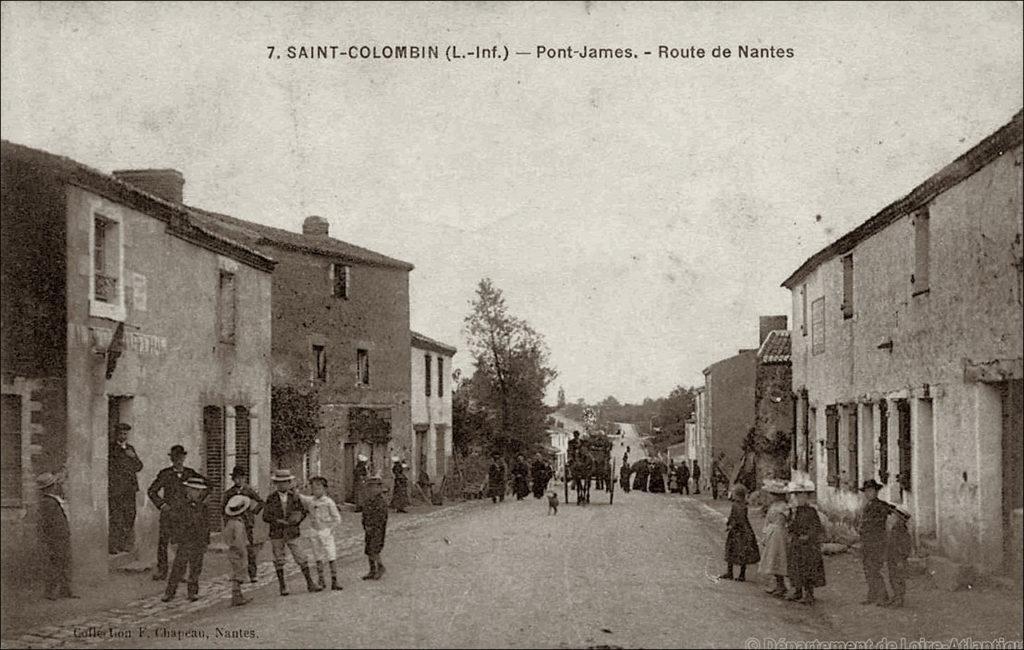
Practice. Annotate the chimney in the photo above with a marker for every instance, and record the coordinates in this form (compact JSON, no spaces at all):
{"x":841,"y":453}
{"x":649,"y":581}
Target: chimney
{"x":165,"y":183}
{"x":315,"y":227}
{"x":768,"y":324}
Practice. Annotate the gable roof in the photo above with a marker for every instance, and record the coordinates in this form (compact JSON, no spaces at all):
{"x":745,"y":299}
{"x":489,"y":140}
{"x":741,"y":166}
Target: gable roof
{"x":1007,"y":137}
{"x":178,"y":217}
{"x":777,"y":348}
{"x":258,"y":234}
{"x":426,"y":343}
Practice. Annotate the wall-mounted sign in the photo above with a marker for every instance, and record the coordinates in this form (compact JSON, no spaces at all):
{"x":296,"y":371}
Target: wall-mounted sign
{"x":818,"y":326}
{"x":98,"y":339}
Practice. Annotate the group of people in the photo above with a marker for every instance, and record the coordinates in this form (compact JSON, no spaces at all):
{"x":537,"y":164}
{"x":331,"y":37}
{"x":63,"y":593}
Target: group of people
{"x":657,"y":476}
{"x":526,"y":478}
{"x":299,"y":524}
{"x":790,"y":546}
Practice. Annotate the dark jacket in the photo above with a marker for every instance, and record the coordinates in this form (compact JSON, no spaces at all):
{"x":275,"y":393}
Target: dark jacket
{"x":740,"y":541}
{"x":872,"y":526}
{"x":375,"y":523}
{"x":190,"y":523}
{"x":696,"y":471}
{"x":249,"y":516}
{"x":54,"y":531}
{"x":167,"y":486}
{"x":683,"y":473}
{"x":805,"y":564}
{"x":284,"y":520}
{"x":122,"y":471}
{"x":496,"y":478}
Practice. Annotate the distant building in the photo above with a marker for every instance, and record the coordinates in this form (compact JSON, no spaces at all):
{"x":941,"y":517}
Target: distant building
{"x":118,"y":307}
{"x":431,"y":406}
{"x":702,"y":438}
{"x":341,"y":329}
{"x":907,"y":355}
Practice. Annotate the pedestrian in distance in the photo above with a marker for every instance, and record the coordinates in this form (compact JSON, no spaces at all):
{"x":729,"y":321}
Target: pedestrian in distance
{"x":375,"y":525}
{"x":775,"y":539}
{"x":540,"y":474}
{"x":284,"y":512}
{"x":166,"y":492}
{"x":235,"y":538}
{"x":359,"y":474}
{"x":496,"y":479}
{"x":873,"y":541}
{"x":897,"y":551}
{"x":123,"y":466}
{"x":190,"y":531}
{"x":740,"y":541}
{"x":400,"y":499}
{"x":695,"y":475}
{"x":804,"y":562}
{"x":683,"y":477}
{"x":520,"y":478}
{"x":55,"y":536}
{"x":240,"y":486}
{"x":319,"y":530}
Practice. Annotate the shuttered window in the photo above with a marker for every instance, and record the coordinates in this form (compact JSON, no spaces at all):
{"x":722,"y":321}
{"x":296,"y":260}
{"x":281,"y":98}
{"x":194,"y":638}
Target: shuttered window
{"x":883,"y":442}
{"x":852,"y":446}
{"x":213,"y":434}
{"x":242,"y":439}
{"x":426,"y":374}
{"x":903,"y":439}
{"x":832,"y":444}
{"x":847,"y":306}
{"x":440,"y":376}
{"x":10,"y":473}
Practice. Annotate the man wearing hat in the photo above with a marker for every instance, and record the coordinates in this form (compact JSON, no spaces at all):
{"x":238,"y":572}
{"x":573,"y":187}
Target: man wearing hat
{"x":122,"y":466}
{"x":400,"y":498}
{"x":375,"y":524}
{"x":284,"y":512}
{"x":359,"y":475}
{"x":496,"y":478}
{"x":55,"y":536}
{"x":167,"y":491}
{"x":239,"y":541}
{"x":872,"y":541}
{"x":240,"y":486}
{"x":190,"y":530}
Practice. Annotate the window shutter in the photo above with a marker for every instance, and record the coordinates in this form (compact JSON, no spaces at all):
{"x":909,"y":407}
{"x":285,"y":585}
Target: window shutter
{"x":852,"y":447}
{"x":905,"y":447}
{"x":243,"y":444}
{"x":213,"y":432}
{"x":832,"y":445}
{"x":883,"y":442}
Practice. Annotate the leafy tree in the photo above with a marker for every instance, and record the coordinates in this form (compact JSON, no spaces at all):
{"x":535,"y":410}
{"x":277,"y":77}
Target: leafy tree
{"x":511,"y":376}
{"x":294,"y":420}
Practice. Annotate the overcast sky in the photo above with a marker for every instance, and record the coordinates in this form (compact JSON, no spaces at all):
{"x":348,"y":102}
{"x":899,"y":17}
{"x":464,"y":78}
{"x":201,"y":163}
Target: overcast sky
{"x":639,"y":213}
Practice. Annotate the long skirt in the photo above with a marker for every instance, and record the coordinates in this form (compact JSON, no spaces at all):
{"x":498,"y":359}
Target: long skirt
{"x":805,"y":564}
{"x":741,"y":546}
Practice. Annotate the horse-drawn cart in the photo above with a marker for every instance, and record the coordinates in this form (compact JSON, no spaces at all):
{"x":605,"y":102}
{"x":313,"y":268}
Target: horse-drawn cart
{"x":591,"y":462}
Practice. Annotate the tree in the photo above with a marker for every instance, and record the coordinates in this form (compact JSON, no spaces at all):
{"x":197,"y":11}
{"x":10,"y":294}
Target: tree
{"x":561,"y":397}
{"x":294,"y":420}
{"x":511,"y":377}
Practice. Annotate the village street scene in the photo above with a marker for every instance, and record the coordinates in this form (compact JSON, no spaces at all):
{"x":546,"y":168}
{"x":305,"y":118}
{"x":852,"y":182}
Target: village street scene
{"x":485,"y":325}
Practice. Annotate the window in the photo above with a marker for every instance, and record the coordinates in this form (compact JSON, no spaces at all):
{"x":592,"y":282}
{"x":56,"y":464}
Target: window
{"x":903,"y":438}
{"x":363,"y":367}
{"x":818,"y":326}
{"x":426,"y":375}
{"x":106,"y":287}
{"x":919,"y":280}
{"x":340,"y":276}
{"x":243,"y":443}
{"x":440,"y":376}
{"x":847,"y":305}
{"x":883,"y":442}
{"x":226,"y":307}
{"x":832,"y":444}
{"x":320,"y":362}
{"x":10,"y":433}
{"x":803,"y":310}
{"x":213,"y":434}
{"x":851,"y":447}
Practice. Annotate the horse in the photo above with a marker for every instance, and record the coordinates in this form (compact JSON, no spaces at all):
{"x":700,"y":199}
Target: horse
{"x":582,"y":469}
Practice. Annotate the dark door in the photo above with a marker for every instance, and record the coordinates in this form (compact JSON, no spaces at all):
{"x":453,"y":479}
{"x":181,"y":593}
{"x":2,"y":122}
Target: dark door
{"x":1013,"y":470}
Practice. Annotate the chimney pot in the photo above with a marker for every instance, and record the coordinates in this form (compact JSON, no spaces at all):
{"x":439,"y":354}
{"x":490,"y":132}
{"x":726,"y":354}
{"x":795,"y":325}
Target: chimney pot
{"x":165,"y":183}
{"x":316,"y":227}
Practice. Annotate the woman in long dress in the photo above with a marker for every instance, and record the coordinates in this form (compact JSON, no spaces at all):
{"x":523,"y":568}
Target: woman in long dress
{"x":805,"y":564}
{"x":740,"y":541}
{"x":775,"y":538}
{"x":400,"y":500}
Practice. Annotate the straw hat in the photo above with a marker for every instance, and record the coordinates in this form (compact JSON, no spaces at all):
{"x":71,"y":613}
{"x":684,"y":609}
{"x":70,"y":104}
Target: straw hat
{"x":395,"y":459}
{"x":282,"y":475}
{"x":775,"y":486}
{"x":801,"y":486}
{"x":236,"y":505}
{"x":46,"y":479}
{"x":196,"y":482}
{"x":362,"y":458}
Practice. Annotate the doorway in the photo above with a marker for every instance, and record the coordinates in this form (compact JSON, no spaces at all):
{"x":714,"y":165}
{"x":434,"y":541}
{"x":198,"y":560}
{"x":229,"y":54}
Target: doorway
{"x":348,"y":466}
{"x":121,"y":481}
{"x":1013,"y":467}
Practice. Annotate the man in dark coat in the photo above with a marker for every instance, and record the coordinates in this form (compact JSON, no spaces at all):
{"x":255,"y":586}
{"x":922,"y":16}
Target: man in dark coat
{"x":375,"y":525}
{"x":122,"y":466}
{"x":520,"y":478}
{"x":696,"y":477}
{"x":166,"y":491}
{"x":540,"y":473}
{"x":400,"y":498}
{"x":683,"y":477}
{"x":873,"y":541}
{"x":656,"y":483}
{"x":241,"y":486}
{"x":190,"y":531}
{"x":496,"y":479}
{"x":641,"y":469}
{"x":55,"y":536}
{"x":284,"y":512}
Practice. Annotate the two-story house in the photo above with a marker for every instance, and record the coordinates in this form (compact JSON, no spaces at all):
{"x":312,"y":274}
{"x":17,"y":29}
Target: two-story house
{"x":431,"y":364}
{"x":907,"y":348}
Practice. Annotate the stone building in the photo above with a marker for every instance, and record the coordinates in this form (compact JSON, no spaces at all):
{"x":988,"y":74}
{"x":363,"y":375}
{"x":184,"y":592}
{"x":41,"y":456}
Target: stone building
{"x":340,"y":330}
{"x":431,"y":406}
{"x":118,"y":307}
{"x":907,"y":354}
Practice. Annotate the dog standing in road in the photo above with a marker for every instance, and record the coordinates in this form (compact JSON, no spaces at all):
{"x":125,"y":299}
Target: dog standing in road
{"x":552,"y":503}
